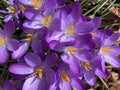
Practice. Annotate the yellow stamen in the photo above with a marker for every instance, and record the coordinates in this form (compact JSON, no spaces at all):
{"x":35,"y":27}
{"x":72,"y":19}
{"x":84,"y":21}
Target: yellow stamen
{"x":38,"y":72}
{"x":29,"y":37}
{"x":22,"y":7}
{"x":36,"y":3}
{"x":65,"y":77}
{"x":12,"y":9}
{"x":87,"y":66}
{"x":106,"y":50}
{"x":2,"y":41}
{"x":71,"y":30}
{"x":72,"y":50}
{"x":47,"y":20}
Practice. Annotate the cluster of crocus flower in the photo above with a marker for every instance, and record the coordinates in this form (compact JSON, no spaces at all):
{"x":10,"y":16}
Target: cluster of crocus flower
{"x":59,"y":46}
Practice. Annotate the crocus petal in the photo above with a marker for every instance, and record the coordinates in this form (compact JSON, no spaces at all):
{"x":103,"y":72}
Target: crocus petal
{"x":21,"y":69}
{"x":64,"y":86}
{"x":8,"y":18}
{"x":12,"y":45}
{"x":61,"y":2}
{"x":50,"y":76}
{"x":9,"y":28}
{"x":66,"y":38}
{"x":96,"y":21}
{"x":55,"y":45}
{"x":53,"y":87}
{"x":89,"y":77}
{"x":112,"y":39}
{"x":50,"y":60}
{"x":32,"y":59}
{"x":77,"y":84}
{"x":31,"y":83}
{"x":74,"y":66}
{"x":84,"y":28}
{"x":26,"y":2}
{"x":116,"y":50}
{"x":34,"y":83}
{"x":3,"y":12}
{"x":99,"y":72}
{"x":8,"y":85}
{"x":84,"y":55}
{"x":20,"y":51}
{"x":54,"y":36}
{"x":113,"y":60}
{"x":33,"y":24}
{"x":3,"y":54}
{"x":73,"y":63}
{"x":36,"y":45}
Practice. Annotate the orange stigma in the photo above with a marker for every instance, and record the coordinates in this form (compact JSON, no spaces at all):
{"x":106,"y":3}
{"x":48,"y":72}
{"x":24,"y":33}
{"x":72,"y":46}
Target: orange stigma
{"x":87,"y":66}
{"x":47,"y":20}
{"x":106,"y":50}
{"x":29,"y":37}
{"x":36,"y":3}
{"x":2,"y":41}
{"x":38,"y":72}
{"x":12,"y":9}
{"x":70,"y":30}
{"x":22,"y":7}
{"x":72,"y":50}
{"x":65,"y":77}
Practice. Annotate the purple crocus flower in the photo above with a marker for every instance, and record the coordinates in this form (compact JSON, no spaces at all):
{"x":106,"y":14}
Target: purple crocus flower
{"x":13,"y":11}
{"x":7,"y":85}
{"x":93,"y":67}
{"x":109,"y":52}
{"x":35,"y":39}
{"x":70,"y":31}
{"x":6,"y":42}
{"x":41,"y":74}
{"x":40,"y":4}
{"x":37,"y":19}
{"x":66,"y":79}
{"x":72,"y":53}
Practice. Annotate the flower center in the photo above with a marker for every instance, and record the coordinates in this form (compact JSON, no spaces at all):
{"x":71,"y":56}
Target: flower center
{"x":87,"y":66}
{"x":36,"y":3}
{"x":12,"y":9}
{"x":65,"y":77}
{"x":70,"y":30}
{"x":22,"y":7}
{"x":2,"y":41}
{"x":47,"y":20}
{"x":93,"y":33}
{"x":29,"y":37}
{"x":72,"y":50}
{"x":106,"y":50}
{"x":38,"y":72}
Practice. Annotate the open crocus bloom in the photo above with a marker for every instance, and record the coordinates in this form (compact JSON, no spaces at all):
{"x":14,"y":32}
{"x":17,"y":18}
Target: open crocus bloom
{"x":6,"y":42}
{"x":40,"y":72}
